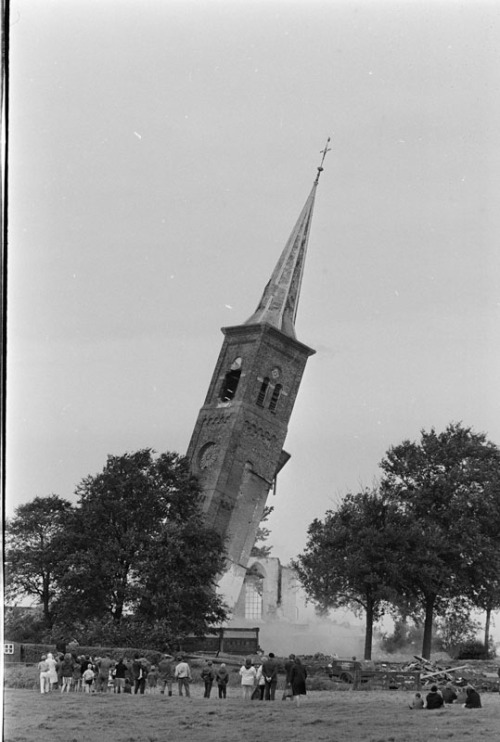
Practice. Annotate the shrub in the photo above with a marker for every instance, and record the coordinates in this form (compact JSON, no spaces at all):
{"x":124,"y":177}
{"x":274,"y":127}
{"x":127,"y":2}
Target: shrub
{"x":473,"y":650}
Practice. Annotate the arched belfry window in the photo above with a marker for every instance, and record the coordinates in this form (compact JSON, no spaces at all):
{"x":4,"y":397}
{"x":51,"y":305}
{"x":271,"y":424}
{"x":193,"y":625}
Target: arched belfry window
{"x":261,"y":397}
{"x":275,"y":397}
{"x":231,"y":381}
{"x":254,"y":588}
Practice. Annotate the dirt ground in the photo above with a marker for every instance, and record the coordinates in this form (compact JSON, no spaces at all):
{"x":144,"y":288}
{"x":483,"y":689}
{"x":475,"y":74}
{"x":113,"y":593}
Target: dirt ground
{"x":371,"y":716}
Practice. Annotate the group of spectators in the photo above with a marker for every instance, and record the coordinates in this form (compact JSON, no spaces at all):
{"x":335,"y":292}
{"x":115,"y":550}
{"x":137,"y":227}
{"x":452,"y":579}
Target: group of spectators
{"x":261,"y":683}
{"x":68,"y":671}
{"x":437,"y":698}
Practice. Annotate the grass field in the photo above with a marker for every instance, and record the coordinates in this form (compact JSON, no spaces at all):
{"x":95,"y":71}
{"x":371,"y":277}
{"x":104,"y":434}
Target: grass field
{"x":371,"y":716}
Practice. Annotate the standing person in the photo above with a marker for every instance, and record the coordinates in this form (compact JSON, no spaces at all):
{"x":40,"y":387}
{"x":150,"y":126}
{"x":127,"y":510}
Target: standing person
{"x":77,"y":675}
{"x":119,"y":679}
{"x":222,"y":678}
{"x":139,"y":674}
{"x":208,"y":676}
{"x":165,"y":673}
{"x":298,"y":675}
{"x":88,"y":678}
{"x":43,"y":667}
{"x":52,"y":670}
{"x":183,"y":675}
{"x":152,"y":679}
{"x":434,"y":699}
{"x":261,"y":681}
{"x":248,"y":674}
{"x":67,"y":666}
{"x":270,"y":668}
{"x":287,"y":693}
{"x":104,"y":666}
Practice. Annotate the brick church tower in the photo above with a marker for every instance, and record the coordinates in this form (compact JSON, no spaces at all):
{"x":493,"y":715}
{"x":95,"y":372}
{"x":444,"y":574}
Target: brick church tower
{"x":236,"y":449}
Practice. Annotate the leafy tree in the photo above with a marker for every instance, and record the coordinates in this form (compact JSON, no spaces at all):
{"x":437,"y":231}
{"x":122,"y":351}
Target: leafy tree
{"x":33,"y":551}
{"x":483,"y":566}
{"x":439,"y":485}
{"x":23,"y":624}
{"x":264,"y":550}
{"x":351,"y":557}
{"x":139,"y":559}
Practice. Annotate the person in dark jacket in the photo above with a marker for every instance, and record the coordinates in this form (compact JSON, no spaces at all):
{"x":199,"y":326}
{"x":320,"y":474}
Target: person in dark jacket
{"x":66,"y":669}
{"x":120,"y":673}
{"x":139,"y":673}
{"x":449,"y":693}
{"x":298,"y":677}
{"x":270,"y":673}
{"x":473,"y":700}
{"x":287,"y":693}
{"x":434,"y":699}
{"x":208,"y":676}
{"x":222,"y":678}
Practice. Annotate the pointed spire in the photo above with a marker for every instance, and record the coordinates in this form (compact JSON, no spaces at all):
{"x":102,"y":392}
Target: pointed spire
{"x":278,"y":305}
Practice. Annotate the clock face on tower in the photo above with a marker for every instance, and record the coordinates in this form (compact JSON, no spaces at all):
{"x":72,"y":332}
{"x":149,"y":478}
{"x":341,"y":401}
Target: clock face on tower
{"x":208,"y":455}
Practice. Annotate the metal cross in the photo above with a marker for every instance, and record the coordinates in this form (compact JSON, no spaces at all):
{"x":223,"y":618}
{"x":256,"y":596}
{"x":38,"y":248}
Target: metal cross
{"x":323,"y":152}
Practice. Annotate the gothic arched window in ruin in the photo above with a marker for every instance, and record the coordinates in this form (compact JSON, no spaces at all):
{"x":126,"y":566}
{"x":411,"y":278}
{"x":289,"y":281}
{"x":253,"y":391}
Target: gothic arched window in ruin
{"x":254,"y":588}
{"x":275,"y":397}
{"x":231,"y":381}
{"x":261,"y":397}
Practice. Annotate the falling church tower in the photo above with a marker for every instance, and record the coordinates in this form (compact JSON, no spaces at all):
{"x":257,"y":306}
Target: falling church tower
{"x":236,"y":449}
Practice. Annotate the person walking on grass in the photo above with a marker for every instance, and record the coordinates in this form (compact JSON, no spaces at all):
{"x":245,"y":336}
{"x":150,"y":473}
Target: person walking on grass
{"x":222,"y":678}
{"x":298,"y":675}
{"x":183,"y":676}
{"x":248,"y":674}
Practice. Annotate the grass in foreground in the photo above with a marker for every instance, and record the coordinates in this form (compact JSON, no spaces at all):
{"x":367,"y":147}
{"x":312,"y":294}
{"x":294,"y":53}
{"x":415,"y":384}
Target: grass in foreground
{"x":375,"y":716}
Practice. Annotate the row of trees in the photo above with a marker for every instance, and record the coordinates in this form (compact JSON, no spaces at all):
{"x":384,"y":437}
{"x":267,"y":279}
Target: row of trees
{"x":424,"y":543}
{"x":131,"y":563}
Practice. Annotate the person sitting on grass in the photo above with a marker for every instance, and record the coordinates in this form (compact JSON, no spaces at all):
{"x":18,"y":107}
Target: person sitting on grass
{"x":473,"y":700}
{"x":434,"y":699}
{"x":449,"y":694}
{"x":417,"y":701}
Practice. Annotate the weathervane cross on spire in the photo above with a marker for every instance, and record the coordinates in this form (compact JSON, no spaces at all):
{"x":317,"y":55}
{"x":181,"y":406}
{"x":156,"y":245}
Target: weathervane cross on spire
{"x":324,"y":153}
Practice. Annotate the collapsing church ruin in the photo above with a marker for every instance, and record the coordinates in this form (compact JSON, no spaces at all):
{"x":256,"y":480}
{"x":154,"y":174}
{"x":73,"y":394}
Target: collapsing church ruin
{"x":236,"y":448}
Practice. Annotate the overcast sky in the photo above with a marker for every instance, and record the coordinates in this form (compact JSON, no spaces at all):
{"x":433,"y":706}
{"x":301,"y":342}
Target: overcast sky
{"x":159,"y":156}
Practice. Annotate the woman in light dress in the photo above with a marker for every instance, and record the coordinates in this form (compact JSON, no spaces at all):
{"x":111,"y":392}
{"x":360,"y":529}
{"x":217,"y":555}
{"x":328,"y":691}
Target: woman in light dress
{"x":248,"y":673}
